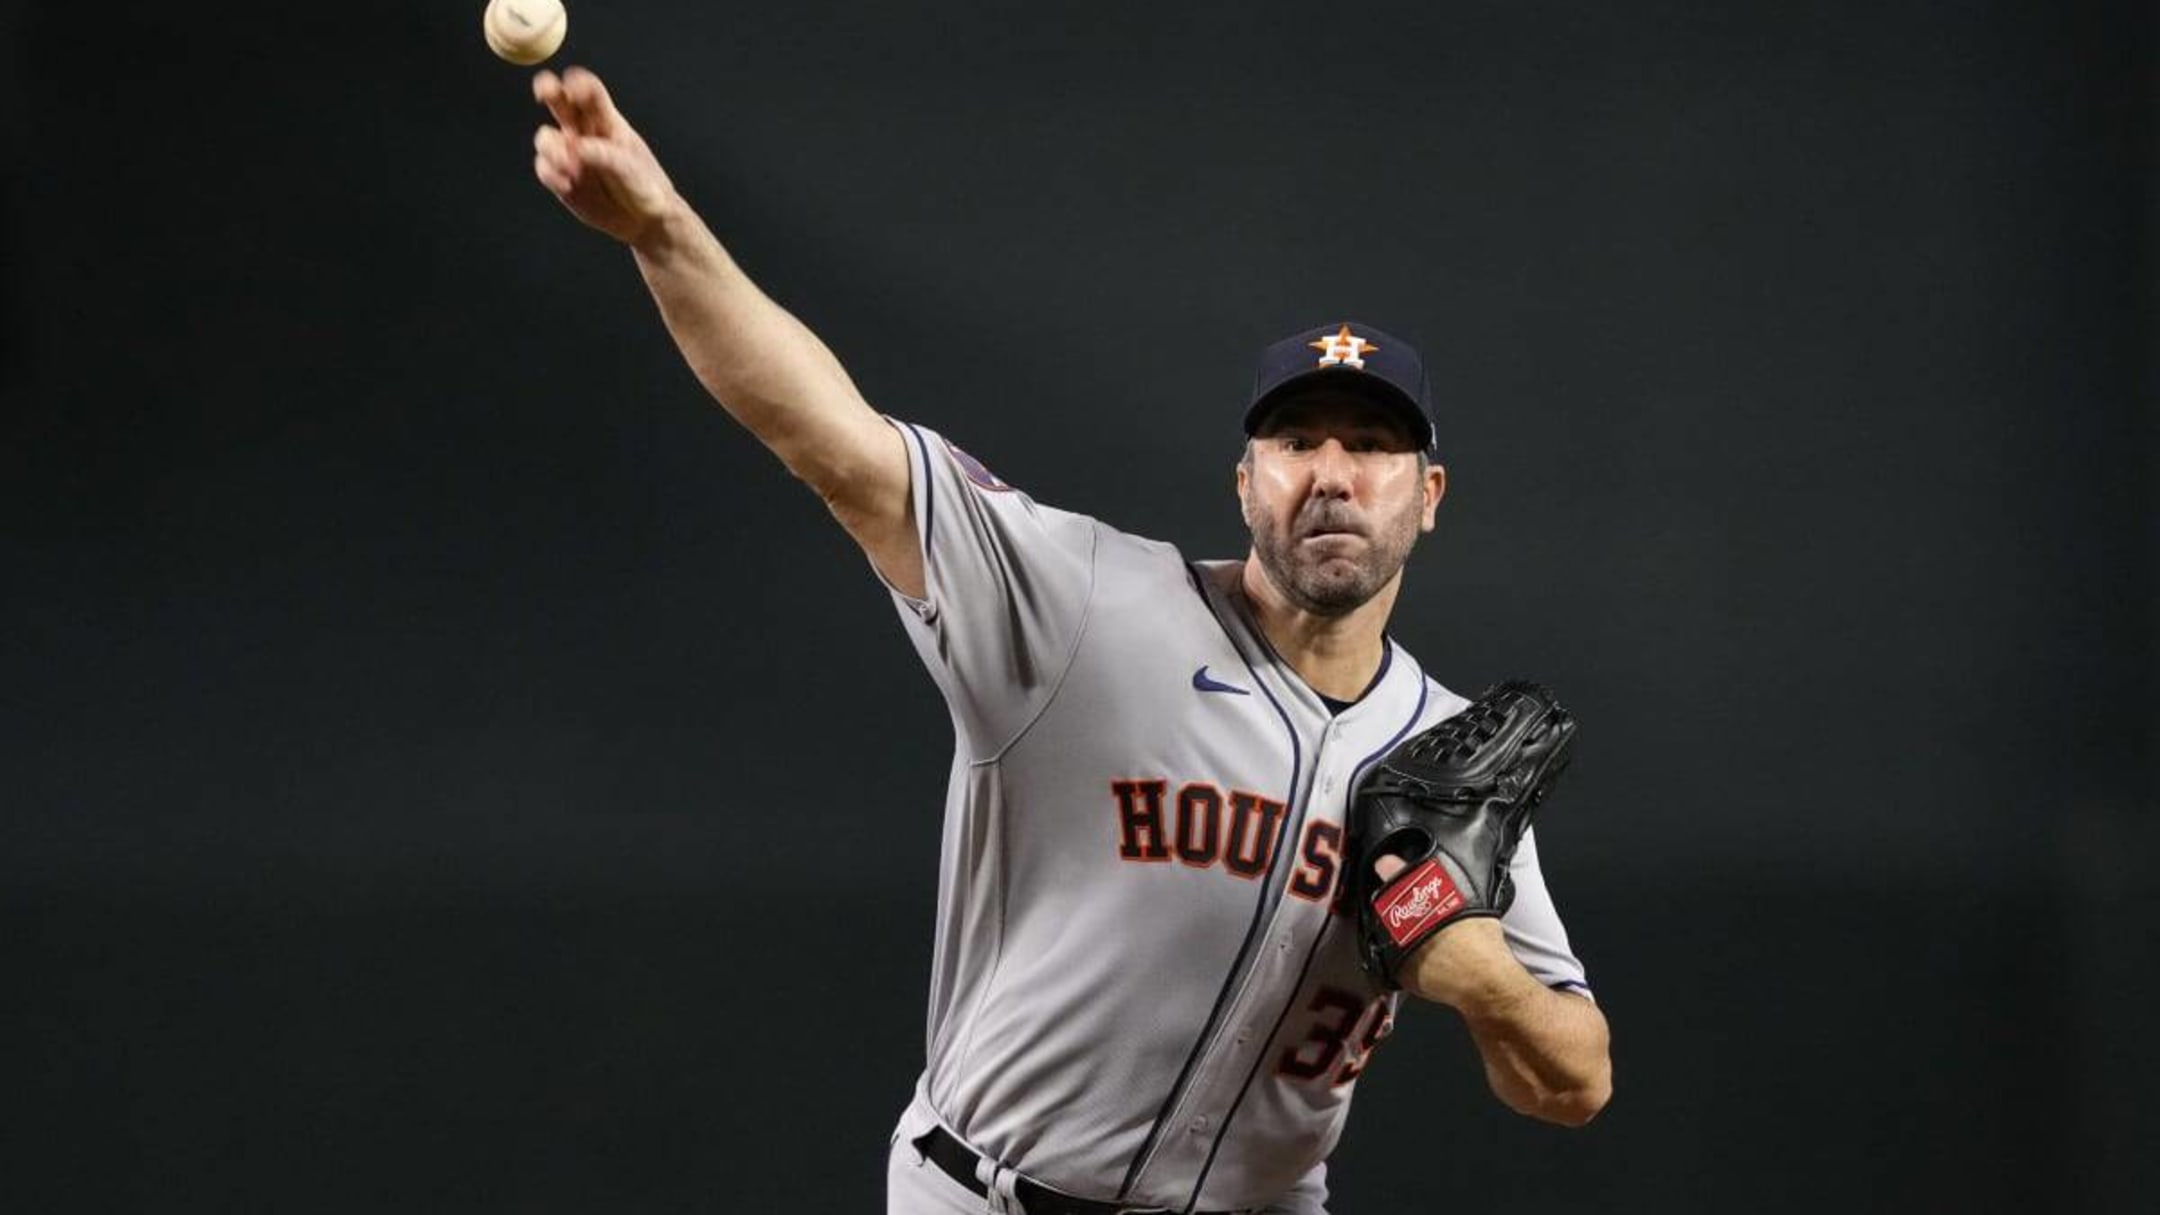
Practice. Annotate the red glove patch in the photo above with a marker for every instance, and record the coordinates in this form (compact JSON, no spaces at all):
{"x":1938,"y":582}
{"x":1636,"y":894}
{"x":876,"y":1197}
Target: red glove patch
{"x":1416,"y":901}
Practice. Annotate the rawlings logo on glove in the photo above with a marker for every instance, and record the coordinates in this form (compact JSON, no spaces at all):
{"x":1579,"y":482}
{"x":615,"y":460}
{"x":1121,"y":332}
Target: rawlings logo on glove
{"x":1417,"y":903}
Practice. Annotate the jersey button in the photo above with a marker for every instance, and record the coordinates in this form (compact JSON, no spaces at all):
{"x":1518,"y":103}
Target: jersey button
{"x":1200,"y":1124}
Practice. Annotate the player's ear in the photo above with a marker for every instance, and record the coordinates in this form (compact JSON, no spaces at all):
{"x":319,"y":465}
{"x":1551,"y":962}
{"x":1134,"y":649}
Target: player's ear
{"x":1435,"y":488}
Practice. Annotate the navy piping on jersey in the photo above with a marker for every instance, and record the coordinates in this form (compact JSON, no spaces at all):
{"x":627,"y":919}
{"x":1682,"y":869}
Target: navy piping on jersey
{"x":1292,"y":811}
{"x":1311,"y":953}
{"x":1387,"y":658}
{"x":929,"y":510}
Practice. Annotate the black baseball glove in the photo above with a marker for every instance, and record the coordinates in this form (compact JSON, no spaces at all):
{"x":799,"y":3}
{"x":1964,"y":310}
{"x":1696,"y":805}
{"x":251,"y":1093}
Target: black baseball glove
{"x":1453,"y":803}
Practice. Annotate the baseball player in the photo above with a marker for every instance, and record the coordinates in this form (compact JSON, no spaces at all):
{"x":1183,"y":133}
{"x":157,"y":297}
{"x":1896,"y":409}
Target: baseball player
{"x":1145,"y":993}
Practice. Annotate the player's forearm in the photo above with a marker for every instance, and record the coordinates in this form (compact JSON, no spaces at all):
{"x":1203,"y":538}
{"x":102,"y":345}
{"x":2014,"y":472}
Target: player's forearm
{"x":767,"y":369}
{"x":1547,"y":1054}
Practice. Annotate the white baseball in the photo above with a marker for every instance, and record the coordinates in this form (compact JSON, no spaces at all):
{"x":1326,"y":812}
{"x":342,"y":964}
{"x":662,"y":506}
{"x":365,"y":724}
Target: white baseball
{"x":525,"y":32}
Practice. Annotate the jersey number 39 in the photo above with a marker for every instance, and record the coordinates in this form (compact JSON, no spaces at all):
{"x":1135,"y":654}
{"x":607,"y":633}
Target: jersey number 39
{"x":1340,"y":1017}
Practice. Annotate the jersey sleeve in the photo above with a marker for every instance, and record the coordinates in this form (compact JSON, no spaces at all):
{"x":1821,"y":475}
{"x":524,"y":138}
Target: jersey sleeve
{"x":1007,"y":584}
{"x":1532,"y":924}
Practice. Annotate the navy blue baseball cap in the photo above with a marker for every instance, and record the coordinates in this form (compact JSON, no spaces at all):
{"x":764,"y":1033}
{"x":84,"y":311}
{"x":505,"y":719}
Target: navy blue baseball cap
{"x":1355,"y":358}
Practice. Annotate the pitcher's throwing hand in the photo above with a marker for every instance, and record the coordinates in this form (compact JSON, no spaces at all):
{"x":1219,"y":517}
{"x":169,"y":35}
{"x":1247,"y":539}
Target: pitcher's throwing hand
{"x":594,"y":161}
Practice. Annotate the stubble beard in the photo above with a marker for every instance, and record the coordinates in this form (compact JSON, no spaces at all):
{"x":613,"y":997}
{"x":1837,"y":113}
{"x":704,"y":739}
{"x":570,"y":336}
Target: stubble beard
{"x":1332,"y":584}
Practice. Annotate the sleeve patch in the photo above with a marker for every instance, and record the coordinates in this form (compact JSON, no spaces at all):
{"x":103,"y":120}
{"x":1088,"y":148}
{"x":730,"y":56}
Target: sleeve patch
{"x":975,"y":470}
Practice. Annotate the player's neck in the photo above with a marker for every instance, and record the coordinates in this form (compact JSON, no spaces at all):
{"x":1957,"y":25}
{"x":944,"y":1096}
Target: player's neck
{"x":1336,"y":656}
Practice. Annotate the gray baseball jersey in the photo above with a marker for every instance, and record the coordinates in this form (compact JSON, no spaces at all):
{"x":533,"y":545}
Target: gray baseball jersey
{"x":1144,"y":988}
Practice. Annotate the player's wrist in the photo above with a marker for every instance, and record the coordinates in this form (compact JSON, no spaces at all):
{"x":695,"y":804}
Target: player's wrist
{"x":669,"y":232}
{"x":1466,"y":965}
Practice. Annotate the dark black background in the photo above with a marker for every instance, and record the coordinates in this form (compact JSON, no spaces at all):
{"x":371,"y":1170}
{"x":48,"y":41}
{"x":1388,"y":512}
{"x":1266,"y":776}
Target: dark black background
{"x":445,"y":765}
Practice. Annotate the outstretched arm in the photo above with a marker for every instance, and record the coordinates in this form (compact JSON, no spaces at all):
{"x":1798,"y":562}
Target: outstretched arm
{"x":761,"y":364}
{"x":1547,"y":1054}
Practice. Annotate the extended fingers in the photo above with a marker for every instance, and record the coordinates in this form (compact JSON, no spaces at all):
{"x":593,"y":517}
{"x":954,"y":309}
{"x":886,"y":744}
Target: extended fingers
{"x":548,"y":91}
{"x":596,"y":110}
{"x":558,"y":151}
{"x":552,"y":176}
{"x":603,"y":157}
{"x":571,"y":154}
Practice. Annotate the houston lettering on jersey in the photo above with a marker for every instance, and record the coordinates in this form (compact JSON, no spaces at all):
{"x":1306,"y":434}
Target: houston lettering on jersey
{"x":1319,"y":856}
{"x":1202,"y":826}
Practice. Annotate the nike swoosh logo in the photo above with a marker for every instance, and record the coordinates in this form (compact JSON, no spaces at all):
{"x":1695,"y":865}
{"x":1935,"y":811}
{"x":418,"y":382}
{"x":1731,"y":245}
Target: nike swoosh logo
{"x":1201,"y":683}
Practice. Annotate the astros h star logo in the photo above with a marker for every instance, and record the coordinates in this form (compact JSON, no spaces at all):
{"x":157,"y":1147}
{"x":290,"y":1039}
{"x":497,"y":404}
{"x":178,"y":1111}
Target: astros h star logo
{"x":1345,"y":349}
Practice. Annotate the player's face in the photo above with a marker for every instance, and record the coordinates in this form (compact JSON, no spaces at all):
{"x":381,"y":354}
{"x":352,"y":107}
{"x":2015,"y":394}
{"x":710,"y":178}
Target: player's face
{"x":1336,"y":496}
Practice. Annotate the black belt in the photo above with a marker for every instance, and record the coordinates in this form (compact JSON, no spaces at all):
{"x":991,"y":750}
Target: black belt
{"x":958,"y":1160}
